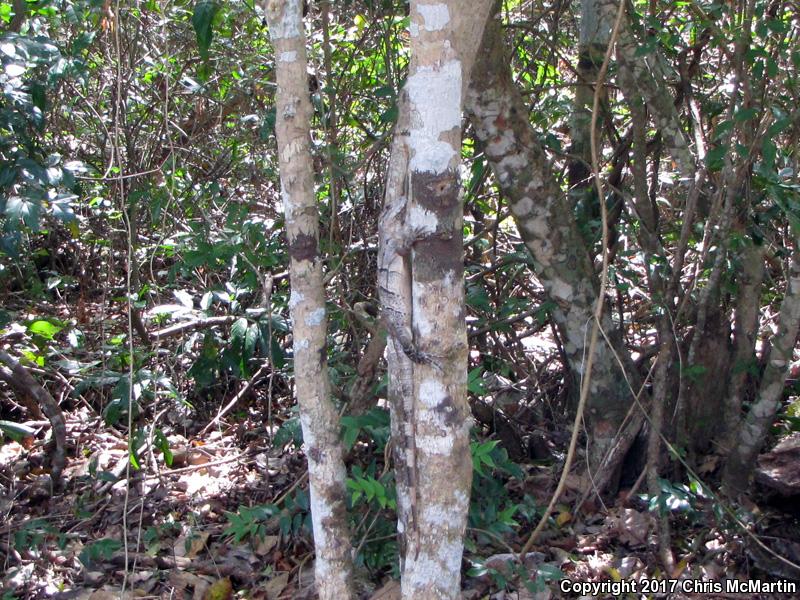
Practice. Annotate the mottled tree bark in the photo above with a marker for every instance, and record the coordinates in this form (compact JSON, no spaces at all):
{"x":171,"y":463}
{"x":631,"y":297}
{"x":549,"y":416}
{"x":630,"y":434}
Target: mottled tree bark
{"x":594,"y":35}
{"x":646,"y":75}
{"x":547,"y":226}
{"x":318,"y":415}
{"x":744,"y":340}
{"x":754,"y":429}
{"x":422,"y":292}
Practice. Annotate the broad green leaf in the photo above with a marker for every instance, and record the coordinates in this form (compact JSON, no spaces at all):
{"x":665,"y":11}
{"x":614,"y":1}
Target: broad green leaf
{"x":250,"y":340}
{"x":745,"y":114}
{"x":46,"y":329}
{"x":715,"y":157}
{"x":202,"y":21}
{"x":16,"y":431}
{"x":25,"y":210}
{"x":238,"y":331}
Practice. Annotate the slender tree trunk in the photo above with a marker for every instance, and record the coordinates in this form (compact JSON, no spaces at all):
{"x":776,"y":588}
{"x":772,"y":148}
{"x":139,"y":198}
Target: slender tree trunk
{"x":422,"y":291}
{"x":318,"y":415}
{"x":654,"y":91}
{"x":755,"y":427}
{"x":548,"y":228}
{"x":744,"y":340}
{"x":595,"y":32}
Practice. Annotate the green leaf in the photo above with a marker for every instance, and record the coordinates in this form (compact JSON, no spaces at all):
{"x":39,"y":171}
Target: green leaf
{"x":99,"y":550}
{"x":162,"y":443}
{"x":350,"y":436}
{"x":390,"y":115}
{"x":16,"y":431}
{"x":250,"y":339}
{"x":715,"y":157}
{"x":550,"y":572}
{"x":202,"y":21}
{"x":238,"y":332}
{"x":45,"y":329}
{"x":769,"y":152}
{"x":745,"y":115}
{"x":475,"y":383}
{"x":5,"y":12}
{"x":25,"y":210}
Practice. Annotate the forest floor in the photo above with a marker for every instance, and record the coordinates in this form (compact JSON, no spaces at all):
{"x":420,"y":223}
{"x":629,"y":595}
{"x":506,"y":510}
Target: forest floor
{"x":217,"y":507}
{"x":189,"y":537}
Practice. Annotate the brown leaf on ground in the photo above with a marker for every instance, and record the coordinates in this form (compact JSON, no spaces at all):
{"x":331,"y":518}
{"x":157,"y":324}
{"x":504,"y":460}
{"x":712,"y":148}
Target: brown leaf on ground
{"x":276,"y":585}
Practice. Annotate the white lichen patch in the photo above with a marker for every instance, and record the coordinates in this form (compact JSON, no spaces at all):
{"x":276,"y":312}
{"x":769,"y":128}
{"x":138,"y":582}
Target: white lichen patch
{"x":286,"y":25}
{"x":576,"y":336}
{"x":436,"y":16}
{"x":287,"y":57}
{"x":561,"y":291}
{"x":429,"y":120}
{"x":536,"y":226}
{"x":431,"y":392}
{"x":421,"y":572}
{"x":441,"y":444}
{"x":321,"y":510}
{"x":423,"y":325}
{"x":449,"y":553}
{"x":460,"y":501}
{"x":288,"y":205}
{"x":295,"y":298}
{"x":523,"y":206}
{"x":292,"y":149}
{"x":300,"y":344}
{"x":315,"y":318}
{"x":542,"y":251}
{"x":500,"y":145}
{"x":442,"y":515}
{"x":420,"y":220}
{"x":451,"y":282}
{"x":515,"y":163}
{"x":435,"y":444}
{"x":308,"y":430}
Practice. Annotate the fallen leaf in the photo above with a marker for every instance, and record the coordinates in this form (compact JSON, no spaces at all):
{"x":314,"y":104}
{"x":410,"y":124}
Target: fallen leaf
{"x":266,"y":545}
{"x":276,"y":585}
{"x":191,"y":546}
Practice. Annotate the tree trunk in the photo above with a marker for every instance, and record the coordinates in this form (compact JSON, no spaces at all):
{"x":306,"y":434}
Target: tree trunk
{"x":595,"y":32}
{"x":422,"y":291}
{"x":744,"y":340}
{"x":754,"y":429}
{"x":318,"y":415}
{"x":547,"y":225}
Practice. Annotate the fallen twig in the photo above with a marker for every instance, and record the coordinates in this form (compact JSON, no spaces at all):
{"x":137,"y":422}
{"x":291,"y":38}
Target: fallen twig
{"x":18,"y":378}
{"x":241,"y":394}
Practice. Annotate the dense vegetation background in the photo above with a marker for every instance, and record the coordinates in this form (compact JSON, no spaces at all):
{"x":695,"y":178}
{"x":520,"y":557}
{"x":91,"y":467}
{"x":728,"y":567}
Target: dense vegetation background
{"x":144,"y":286}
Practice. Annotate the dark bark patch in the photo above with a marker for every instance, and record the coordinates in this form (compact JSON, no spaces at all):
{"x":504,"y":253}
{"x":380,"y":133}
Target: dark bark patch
{"x":436,"y":192}
{"x":314,"y":454}
{"x":303,"y":247}
{"x":435,"y":256}
{"x":338,"y":518}
{"x":572,"y":261}
{"x":448,"y":411}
